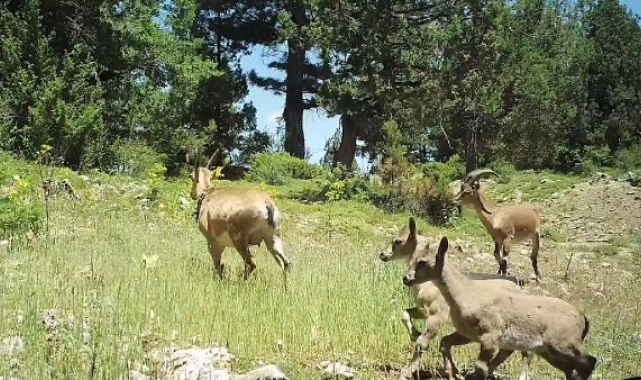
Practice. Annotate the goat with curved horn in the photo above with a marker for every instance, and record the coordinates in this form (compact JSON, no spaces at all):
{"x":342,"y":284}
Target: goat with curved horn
{"x":237,"y":218}
{"x":506,"y":224}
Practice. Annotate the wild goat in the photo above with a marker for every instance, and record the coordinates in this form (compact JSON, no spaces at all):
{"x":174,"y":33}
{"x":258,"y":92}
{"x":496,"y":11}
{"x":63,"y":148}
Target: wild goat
{"x":236,"y":218}
{"x":506,"y":224}
{"x":431,"y":305}
{"x":503,"y":321}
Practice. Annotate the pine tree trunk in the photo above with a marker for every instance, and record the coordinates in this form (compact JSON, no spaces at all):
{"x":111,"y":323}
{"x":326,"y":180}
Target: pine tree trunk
{"x":471,"y":154}
{"x":294,"y":105}
{"x":347,"y":148}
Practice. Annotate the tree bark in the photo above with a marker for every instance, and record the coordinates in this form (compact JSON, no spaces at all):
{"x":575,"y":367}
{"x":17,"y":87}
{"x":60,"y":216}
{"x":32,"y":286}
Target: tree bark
{"x":471,"y":154}
{"x":294,"y":105}
{"x":347,"y":148}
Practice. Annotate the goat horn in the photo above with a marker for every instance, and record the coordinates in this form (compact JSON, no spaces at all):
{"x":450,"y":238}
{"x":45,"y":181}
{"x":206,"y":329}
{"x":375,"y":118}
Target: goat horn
{"x":474,"y":175}
{"x":211,"y":159}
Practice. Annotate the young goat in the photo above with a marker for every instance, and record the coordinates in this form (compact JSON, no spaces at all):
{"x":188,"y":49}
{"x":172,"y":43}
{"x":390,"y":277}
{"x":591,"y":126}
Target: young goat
{"x":503,"y":321}
{"x":236,"y":218}
{"x":431,"y":305}
{"x":506,"y":224}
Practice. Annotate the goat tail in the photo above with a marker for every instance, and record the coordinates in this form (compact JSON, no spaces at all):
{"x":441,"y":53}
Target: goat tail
{"x":272,"y":215}
{"x":586,"y":328}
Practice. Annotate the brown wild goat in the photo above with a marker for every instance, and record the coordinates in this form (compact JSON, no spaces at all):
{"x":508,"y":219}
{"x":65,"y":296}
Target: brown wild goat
{"x":506,"y":224}
{"x":237,"y":218}
{"x":430,"y":304}
{"x":503,"y":321}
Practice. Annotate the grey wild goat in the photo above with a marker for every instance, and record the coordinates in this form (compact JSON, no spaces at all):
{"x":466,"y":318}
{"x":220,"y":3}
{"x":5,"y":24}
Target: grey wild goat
{"x":237,"y":218}
{"x":506,"y":224}
{"x":503,"y":321}
{"x":430,"y":304}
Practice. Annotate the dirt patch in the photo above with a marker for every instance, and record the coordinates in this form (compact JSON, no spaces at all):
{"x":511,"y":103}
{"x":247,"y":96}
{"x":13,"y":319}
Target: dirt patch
{"x":589,"y":213}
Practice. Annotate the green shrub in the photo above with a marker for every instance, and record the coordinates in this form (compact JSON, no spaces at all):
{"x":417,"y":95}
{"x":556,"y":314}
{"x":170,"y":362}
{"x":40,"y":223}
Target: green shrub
{"x":598,"y":157}
{"x":422,"y":190}
{"x":420,"y":195}
{"x":504,"y":169}
{"x":590,"y":160}
{"x":137,"y":159}
{"x":19,"y":211}
{"x":339,"y":184}
{"x":629,"y":159}
{"x":568,"y":160}
{"x":18,"y":217}
{"x":277,"y":168}
{"x":443,"y":172}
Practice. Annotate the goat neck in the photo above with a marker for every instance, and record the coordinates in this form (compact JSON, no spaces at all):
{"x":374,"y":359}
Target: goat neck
{"x":483,"y":210}
{"x":454,"y":287}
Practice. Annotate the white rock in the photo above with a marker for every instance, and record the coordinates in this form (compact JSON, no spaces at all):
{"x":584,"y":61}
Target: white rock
{"x":136,"y":375}
{"x":337,"y":369}
{"x":197,"y":364}
{"x":268,"y":372}
{"x":11,"y":346}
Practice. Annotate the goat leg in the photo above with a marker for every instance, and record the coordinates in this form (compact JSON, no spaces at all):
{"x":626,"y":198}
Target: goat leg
{"x":526,"y":358}
{"x":243,"y":248}
{"x":506,"y":252}
{"x":486,"y":357}
{"x":407,"y":316}
{"x":422,"y":342}
{"x":215,"y":251}
{"x":445,"y":346}
{"x":497,"y":256}
{"x":501,"y":357}
{"x":534,"y":256}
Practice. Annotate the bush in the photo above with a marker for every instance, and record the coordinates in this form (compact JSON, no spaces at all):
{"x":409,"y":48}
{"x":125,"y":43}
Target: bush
{"x":504,"y":169}
{"x":629,"y":159}
{"x":422,"y":194}
{"x":277,"y":168}
{"x":339,"y":184}
{"x":568,"y":160}
{"x":448,"y":171}
{"x":19,"y":212}
{"x":137,"y":160}
{"x":422,"y":190}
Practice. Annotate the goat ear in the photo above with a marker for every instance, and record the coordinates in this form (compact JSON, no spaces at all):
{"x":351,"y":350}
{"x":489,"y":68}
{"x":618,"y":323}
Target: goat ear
{"x":442,"y":249}
{"x":412,"y":227}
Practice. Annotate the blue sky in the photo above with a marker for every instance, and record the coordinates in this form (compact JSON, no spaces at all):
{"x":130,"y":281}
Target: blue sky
{"x":318,"y":127}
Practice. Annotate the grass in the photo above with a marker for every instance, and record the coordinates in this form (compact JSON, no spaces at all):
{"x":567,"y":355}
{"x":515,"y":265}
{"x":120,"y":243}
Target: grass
{"x":605,"y":249}
{"x":535,"y":185}
{"x":342,"y":304}
{"x":553,"y":234}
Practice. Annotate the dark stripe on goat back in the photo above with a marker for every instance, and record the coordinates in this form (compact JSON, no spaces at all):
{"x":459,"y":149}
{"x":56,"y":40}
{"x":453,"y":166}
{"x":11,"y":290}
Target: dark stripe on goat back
{"x":270,"y":216}
{"x":587,"y":326}
{"x":491,"y":276}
